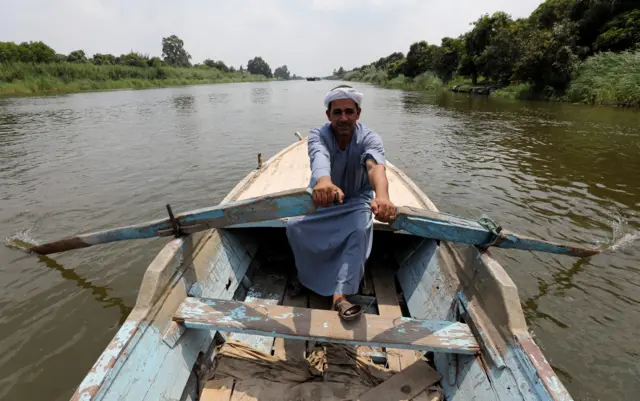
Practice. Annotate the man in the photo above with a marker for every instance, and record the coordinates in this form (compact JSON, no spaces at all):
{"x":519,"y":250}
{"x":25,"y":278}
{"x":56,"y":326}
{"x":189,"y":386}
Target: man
{"x":347,"y":162}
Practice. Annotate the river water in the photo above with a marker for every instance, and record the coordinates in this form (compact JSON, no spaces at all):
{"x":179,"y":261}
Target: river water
{"x":81,"y":162}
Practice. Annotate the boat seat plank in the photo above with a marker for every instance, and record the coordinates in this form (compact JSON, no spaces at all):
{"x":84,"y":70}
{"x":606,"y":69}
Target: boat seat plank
{"x":405,"y":385}
{"x":304,"y":323}
{"x":267,"y":289}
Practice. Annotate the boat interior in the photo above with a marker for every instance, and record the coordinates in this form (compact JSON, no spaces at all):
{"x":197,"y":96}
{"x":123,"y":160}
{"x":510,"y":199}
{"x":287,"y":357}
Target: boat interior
{"x":216,"y":318}
{"x":256,"y":367}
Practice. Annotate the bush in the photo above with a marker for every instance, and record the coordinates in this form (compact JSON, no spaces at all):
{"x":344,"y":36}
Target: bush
{"x":608,"y":79}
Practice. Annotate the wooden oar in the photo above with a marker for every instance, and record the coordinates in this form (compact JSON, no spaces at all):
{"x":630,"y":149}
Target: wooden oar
{"x":269,"y":207}
{"x":447,"y":227}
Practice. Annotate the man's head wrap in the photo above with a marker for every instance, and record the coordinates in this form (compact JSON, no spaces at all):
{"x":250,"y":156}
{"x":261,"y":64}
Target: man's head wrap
{"x":343,"y":92}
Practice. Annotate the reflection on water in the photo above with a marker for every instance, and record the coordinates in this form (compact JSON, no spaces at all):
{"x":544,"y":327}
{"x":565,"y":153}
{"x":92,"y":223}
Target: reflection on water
{"x":184,"y":103}
{"x":77,"y":163}
{"x":100,"y":293}
{"x":260,"y":95}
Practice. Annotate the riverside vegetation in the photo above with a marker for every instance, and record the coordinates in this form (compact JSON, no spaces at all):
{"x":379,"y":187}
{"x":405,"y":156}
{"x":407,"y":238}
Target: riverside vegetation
{"x":585,"y":51}
{"x":34,"y":67}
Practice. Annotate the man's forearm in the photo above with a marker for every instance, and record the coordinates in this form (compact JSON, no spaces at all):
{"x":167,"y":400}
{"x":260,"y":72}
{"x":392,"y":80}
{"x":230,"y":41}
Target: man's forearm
{"x":378,"y":179}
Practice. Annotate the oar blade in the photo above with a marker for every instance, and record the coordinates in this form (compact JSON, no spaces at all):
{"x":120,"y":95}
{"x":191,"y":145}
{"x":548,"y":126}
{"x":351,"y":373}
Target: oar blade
{"x":445,"y":227}
{"x":138,"y":231}
{"x":515,"y":241}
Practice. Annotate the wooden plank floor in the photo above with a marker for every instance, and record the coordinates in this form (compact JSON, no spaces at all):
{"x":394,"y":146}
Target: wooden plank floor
{"x":267,"y":289}
{"x":385,"y":290}
{"x":286,"y":348}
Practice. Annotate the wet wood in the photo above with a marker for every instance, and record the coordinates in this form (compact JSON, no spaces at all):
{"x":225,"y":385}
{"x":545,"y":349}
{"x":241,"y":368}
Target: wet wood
{"x":447,"y":227}
{"x":217,"y":390}
{"x":405,"y":385}
{"x":305,"y":323}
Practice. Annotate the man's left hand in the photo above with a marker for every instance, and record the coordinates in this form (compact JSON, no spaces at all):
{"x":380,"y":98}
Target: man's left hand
{"x":383,"y":209}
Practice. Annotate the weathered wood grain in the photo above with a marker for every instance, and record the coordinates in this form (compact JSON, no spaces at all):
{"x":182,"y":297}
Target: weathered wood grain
{"x":384,"y":287}
{"x":267,"y":289}
{"x":217,"y":390}
{"x":430,"y":294}
{"x":265,"y":207}
{"x":304,"y":323}
{"x":405,"y":385}
{"x":447,"y":227}
{"x":289,"y":349}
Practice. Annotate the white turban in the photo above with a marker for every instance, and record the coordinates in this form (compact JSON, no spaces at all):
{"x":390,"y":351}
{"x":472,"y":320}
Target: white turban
{"x":343,"y":93}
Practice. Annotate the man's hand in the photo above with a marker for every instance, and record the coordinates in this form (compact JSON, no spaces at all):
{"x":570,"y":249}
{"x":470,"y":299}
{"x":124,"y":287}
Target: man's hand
{"x":383,"y":209}
{"x":324,"y":192}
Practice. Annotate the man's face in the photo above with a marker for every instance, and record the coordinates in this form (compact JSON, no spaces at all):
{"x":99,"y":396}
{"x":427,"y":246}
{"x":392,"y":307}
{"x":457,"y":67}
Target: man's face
{"x":343,"y":114}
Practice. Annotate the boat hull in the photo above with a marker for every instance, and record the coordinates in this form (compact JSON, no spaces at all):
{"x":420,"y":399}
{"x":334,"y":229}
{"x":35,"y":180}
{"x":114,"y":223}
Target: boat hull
{"x":151,"y":357}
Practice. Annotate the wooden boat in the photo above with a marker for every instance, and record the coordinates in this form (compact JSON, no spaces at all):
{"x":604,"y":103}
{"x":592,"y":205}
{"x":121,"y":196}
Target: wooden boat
{"x":216,"y":320}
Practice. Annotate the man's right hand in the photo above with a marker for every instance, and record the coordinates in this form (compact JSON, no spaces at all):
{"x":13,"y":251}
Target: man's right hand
{"x":324,"y":192}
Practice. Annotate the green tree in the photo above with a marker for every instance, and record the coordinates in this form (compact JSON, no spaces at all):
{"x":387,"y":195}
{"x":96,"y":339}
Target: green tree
{"x":449,"y":60}
{"x":134,"y":59}
{"x":282,"y":72}
{"x":174,"y":53}
{"x":103,"y":59}
{"x":9,"y":52}
{"x":36,"y":52}
{"x":474,"y":59}
{"x":549,"y":57}
{"x":156,"y":62}
{"x":422,"y":57}
{"x":77,"y":56}
{"x":621,"y":33}
{"x":258,"y":66}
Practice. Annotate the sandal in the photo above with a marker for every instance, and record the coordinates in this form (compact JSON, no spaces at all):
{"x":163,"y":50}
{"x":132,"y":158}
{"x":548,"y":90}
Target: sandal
{"x":346,"y":310}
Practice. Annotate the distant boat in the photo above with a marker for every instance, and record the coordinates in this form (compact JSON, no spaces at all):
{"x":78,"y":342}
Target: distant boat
{"x":313,"y":79}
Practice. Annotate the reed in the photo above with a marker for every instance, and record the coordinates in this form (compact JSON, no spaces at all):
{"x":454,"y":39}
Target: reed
{"x":27,"y":78}
{"x":608,"y":79}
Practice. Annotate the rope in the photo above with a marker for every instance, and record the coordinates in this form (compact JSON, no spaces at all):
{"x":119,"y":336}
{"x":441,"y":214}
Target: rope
{"x":494,"y":228}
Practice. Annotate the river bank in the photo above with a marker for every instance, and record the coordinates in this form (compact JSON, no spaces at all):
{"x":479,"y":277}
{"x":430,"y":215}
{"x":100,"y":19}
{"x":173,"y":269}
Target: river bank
{"x":48,"y":78}
{"x":605,"y":79}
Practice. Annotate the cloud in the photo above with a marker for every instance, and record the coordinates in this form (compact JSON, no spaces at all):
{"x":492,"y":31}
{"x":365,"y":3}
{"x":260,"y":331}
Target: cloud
{"x":310,"y":37}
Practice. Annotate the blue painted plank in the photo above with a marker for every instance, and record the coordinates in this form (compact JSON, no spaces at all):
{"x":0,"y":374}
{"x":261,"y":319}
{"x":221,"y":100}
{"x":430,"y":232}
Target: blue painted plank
{"x":428,"y":295}
{"x":158,"y":368}
{"x":266,"y":289}
{"x":321,"y":325}
{"x":446,"y":227}
{"x":274,"y":206}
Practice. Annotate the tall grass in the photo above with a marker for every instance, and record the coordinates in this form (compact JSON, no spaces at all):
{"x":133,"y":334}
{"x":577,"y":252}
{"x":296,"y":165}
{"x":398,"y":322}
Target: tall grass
{"x":522,"y":91}
{"x":608,"y":79}
{"x":25,"y":78}
{"x":426,"y":81}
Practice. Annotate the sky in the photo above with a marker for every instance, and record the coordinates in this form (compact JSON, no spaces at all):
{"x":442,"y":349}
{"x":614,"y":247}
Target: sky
{"x":311,"y":37}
